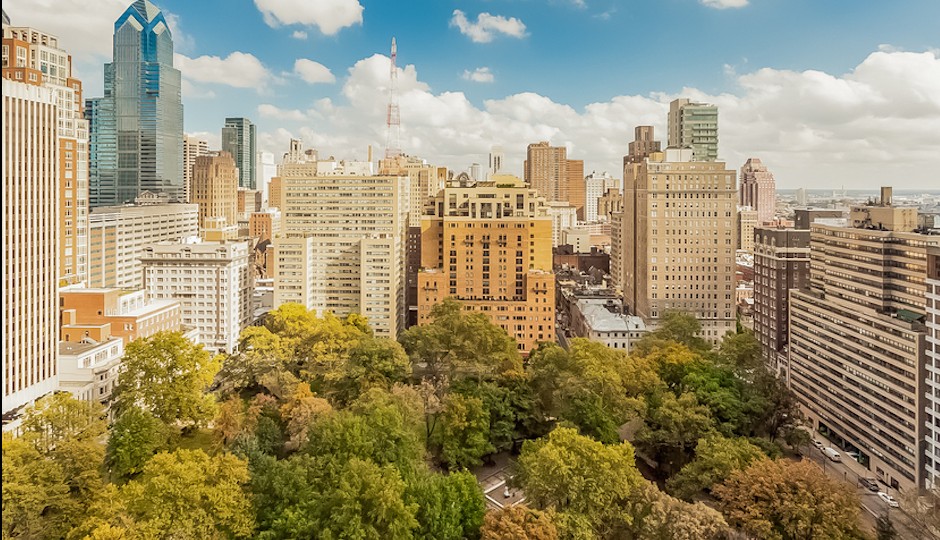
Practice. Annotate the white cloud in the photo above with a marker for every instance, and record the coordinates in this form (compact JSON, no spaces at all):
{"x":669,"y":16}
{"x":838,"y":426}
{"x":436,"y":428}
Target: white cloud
{"x":211,"y":137}
{"x":330,"y":16}
{"x":876,"y":123}
{"x":313,"y":72}
{"x":238,"y":69}
{"x":81,"y":30}
{"x":299,"y":34}
{"x":182,"y":41}
{"x":724,"y":4}
{"x":487,"y":26}
{"x":480,"y":75}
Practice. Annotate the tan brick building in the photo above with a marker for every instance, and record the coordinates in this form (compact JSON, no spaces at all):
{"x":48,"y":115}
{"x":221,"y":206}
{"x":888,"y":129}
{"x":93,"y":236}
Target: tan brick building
{"x":489,"y":246}
{"x":215,"y":190}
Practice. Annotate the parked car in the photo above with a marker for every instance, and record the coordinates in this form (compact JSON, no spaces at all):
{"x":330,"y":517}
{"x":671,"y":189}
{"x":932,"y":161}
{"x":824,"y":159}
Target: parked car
{"x":888,"y":499}
{"x":817,"y":443}
{"x":870,"y":483}
{"x":832,"y":454}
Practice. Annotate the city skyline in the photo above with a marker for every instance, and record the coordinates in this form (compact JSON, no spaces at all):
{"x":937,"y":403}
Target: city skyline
{"x":826,"y":111}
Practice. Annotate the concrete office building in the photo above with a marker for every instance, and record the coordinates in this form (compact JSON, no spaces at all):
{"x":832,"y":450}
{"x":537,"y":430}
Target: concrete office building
{"x":118,"y":235}
{"x":857,"y":345}
{"x":192,"y":148}
{"x":342,"y":246}
{"x":30,"y":243}
{"x":758,"y":190}
{"x":215,"y":190}
{"x":240,"y":139}
{"x":34,"y":57}
{"x":676,"y":239}
{"x":211,"y":280}
{"x":695,"y":126}
{"x":487,"y":246}
{"x":932,"y":405}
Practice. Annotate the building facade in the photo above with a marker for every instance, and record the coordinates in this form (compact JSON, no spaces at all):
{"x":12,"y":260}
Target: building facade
{"x":99,"y":313}
{"x":30,"y":243}
{"x":136,"y":128}
{"x":694,"y":125}
{"x":600,"y":320}
{"x":676,"y":238}
{"x":644,"y":143}
{"x":215,"y":190}
{"x":758,"y":190}
{"x":747,"y":222}
{"x":211,"y":280}
{"x":240,"y":139}
{"x":487,"y":246}
{"x":192,"y":148}
{"x":932,"y":405}
{"x":89,"y":369}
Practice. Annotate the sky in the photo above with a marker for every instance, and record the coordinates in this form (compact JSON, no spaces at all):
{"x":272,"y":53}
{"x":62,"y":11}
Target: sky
{"x":827,"y":93}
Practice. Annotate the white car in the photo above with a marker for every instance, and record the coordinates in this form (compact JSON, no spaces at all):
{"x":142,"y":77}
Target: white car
{"x":888,"y":499}
{"x":817,"y":443}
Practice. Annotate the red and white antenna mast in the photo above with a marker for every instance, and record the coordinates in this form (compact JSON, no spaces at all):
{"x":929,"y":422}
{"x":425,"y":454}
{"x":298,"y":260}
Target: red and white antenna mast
{"x":393,"y":119}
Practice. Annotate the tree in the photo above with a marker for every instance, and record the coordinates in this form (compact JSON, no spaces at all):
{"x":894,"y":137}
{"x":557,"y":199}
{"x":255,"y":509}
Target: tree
{"x":784,"y":500}
{"x":677,"y":327}
{"x":672,"y":428}
{"x":715,"y":459}
{"x":449,"y":507}
{"x":302,"y":410}
{"x":373,"y":362}
{"x":463,"y":434}
{"x":741,"y":351}
{"x":884,"y":528}
{"x":518,"y":523}
{"x":36,"y":502}
{"x":135,"y":437}
{"x":167,"y":375}
{"x":652,"y":515}
{"x":59,"y":417}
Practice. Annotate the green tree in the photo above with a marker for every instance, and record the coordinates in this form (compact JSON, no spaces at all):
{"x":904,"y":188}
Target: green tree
{"x":518,"y":523}
{"x":167,"y":375}
{"x":135,"y":437}
{"x":449,"y":507}
{"x":715,"y":459}
{"x":373,"y":362}
{"x":302,"y":410}
{"x":784,"y":500}
{"x":678,"y":327}
{"x":741,"y":351}
{"x":59,"y":417}
{"x":672,"y":428}
{"x":36,"y":501}
{"x":653,"y":515}
{"x":463,"y":434}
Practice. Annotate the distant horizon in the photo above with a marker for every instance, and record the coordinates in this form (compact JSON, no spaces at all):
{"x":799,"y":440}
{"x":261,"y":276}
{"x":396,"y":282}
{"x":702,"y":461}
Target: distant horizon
{"x":876,"y":191}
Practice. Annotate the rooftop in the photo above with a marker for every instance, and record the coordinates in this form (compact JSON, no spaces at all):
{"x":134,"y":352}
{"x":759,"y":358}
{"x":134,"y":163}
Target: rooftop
{"x":600,"y":319}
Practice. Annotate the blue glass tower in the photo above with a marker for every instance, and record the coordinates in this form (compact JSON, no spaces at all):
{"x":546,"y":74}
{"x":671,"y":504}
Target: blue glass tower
{"x":136,"y":129}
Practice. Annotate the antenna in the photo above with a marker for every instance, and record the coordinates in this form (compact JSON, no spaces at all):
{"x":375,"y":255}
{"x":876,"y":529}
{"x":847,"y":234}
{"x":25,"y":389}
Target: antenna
{"x":393,"y":119}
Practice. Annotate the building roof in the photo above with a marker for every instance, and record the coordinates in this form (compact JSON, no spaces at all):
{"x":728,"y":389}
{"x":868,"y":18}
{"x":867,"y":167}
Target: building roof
{"x":600,"y":319}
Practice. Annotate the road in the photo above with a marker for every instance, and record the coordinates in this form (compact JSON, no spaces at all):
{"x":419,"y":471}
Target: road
{"x":872,"y":505}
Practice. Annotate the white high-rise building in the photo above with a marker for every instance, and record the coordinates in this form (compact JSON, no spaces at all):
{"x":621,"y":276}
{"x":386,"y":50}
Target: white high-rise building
{"x":496,"y":161}
{"x":932,"y":408}
{"x":30,"y":242}
{"x":564,"y":216}
{"x":264,"y":172}
{"x":211,"y":280}
{"x":192,"y":148}
{"x":595,"y":185}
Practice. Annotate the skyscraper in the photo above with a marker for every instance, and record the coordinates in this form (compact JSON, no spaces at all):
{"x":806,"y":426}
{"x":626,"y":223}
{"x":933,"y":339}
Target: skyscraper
{"x":546,"y":170}
{"x":642,"y":146}
{"x":239,"y":139}
{"x":695,"y":126}
{"x":136,"y":129}
{"x":496,"y":161}
{"x":215,"y":190}
{"x":758,"y":190}
{"x":192,"y":148}
{"x":933,"y":369}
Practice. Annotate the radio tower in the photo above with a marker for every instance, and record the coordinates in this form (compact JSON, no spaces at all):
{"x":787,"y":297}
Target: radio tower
{"x":393,"y":120}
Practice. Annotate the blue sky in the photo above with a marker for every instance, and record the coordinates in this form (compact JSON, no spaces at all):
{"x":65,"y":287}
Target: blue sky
{"x":827,"y":93}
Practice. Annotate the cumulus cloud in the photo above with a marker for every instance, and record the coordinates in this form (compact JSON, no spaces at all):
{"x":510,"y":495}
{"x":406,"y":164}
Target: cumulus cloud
{"x":876,"y":122}
{"x":724,"y":4}
{"x":299,"y":34}
{"x":480,"y":75}
{"x":487,"y":26}
{"x":238,"y":69}
{"x":211,"y":137}
{"x":313,"y":72}
{"x":330,"y":16}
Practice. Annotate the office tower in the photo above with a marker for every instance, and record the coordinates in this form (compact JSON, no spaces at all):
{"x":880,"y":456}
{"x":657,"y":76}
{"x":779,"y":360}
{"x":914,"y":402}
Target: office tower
{"x":677,"y":238}
{"x":211,"y":280}
{"x":215,"y":190}
{"x":136,"y":128}
{"x":30,"y":240}
{"x":574,"y":177}
{"x":781,"y":263}
{"x":932,"y":406}
{"x":33,"y":53}
{"x":758,"y":190}
{"x":265,"y":170}
{"x":747,"y":221}
{"x":192,"y":148}
{"x":240,"y":139}
{"x":695,"y":126}
{"x":118,"y":234}
{"x":642,"y":146}
{"x":487,"y":246}
{"x":496,"y":161}
{"x":342,"y":246}
{"x":546,"y":170}
{"x":858,"y":339}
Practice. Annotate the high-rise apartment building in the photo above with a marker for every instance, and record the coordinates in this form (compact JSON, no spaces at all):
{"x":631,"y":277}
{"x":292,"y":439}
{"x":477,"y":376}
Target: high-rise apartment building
{"x":694,"y":125}
{"x":487,"y":246}
{"x":496,"y":159}
{"x":563,"y":216}
{"x":136,"y":128}
{"x":595,"y":186}
{"x":747,"y":221}
{"x":677,"y":237}
{"x":857,"y":345}
{"x":758,"y":190}
{"x":577,"y":191}
{"x":192,"y":148}
{"x":30,"y":240}
{"x":932,"y":405}
{"x":239,"y":138}
{"x":28,"y":52}
{"x":215,"y":190}
{"x":546,"y":170}
{"x":342,"y":243}
{"x":213,"y":283}
{"x":265,"y":170}
{"x":118,"y":235}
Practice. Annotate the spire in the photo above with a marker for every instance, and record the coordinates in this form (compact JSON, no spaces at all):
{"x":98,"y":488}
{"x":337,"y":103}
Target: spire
{"x":393,"y":118}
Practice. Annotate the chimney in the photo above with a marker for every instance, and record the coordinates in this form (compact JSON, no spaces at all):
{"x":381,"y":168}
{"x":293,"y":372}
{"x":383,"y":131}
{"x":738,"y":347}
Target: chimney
{"x":886,"y":195}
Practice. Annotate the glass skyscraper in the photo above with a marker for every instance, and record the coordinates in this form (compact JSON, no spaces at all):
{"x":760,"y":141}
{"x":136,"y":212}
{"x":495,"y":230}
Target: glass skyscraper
{"x":238,"y":139}
{"x":136,"y":129}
